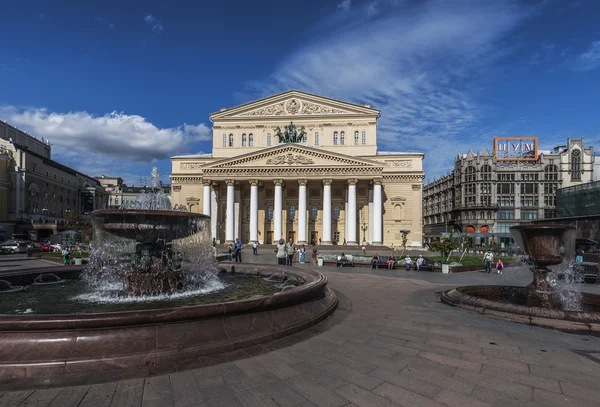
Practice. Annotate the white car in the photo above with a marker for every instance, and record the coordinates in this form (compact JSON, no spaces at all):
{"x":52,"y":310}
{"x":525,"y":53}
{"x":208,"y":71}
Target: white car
{"x":56,"y":247}
{"x":13,"y":247}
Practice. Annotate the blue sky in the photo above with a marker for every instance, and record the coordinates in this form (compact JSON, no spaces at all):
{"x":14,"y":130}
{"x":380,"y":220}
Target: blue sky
{"x":118,"y":87}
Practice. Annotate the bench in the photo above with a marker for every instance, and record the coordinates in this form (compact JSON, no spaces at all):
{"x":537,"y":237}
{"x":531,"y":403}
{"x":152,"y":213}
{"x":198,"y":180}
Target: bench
{"x":590,"y":272}
{"x":349,"y":261}
{"x":382,"y":263}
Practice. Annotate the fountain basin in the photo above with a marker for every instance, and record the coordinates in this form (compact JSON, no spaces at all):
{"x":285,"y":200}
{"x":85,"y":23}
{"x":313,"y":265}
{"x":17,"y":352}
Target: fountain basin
{"x":95,"y":347}
{"x":523,"y":305}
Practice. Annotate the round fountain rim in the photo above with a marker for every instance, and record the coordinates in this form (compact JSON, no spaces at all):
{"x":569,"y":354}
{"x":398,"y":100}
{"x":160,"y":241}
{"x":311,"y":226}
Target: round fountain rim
{"x":568,"y":321}
{"x":315,"y":283}
{"x":158,"y":212}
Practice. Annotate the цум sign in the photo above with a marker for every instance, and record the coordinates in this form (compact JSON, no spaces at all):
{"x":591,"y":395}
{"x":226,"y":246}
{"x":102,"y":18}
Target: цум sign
{"x":516,"y":148}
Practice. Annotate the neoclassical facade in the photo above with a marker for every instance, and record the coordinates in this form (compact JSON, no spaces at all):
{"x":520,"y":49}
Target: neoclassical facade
{"x":330,"y":186}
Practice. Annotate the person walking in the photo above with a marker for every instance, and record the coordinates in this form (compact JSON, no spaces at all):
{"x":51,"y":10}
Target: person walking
{"x":419,"y":262}
{"x":314,"y":257}
{"x":65,"y":255}
{"x":499,"y":267}
{"x":407,"y":262}
{"x":281,"y":253}
{"x":229,"y":253}
{"x":237,"y":250}
{"x":488,"y":258}
{"x":290,"y":249}
{"x":255,"y":248}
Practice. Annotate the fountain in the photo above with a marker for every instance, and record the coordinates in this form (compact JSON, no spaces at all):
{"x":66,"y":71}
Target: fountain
{"x":547,"y":302}
{"x":152,"y":299}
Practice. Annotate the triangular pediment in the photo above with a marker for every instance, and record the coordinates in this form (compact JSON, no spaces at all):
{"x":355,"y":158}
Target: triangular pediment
{"x":286,"y":155}
{"x":293,"y":104}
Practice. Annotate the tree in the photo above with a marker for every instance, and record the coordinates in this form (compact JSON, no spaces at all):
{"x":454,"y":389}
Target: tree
{"x":404,"y":234}
{"x":82,"y":226}
{"x":445,"y":245}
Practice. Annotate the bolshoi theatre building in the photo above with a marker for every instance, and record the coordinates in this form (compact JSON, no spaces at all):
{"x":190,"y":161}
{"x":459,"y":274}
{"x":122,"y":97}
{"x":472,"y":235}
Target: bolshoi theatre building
{"x":301,"y":166}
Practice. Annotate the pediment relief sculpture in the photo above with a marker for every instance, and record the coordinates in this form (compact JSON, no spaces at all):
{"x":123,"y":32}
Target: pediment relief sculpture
{"x":398,"y":199}
{"x":290,"y":159}
{"x":293,"y":107}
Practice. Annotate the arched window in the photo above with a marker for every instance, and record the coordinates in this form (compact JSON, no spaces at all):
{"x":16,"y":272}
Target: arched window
{"x":470,"y":174}
{"x":231,"y":140}
{"x":364,"y":137}
{"x":244,"y":140}
{"x":398,"y":213}
{"x":356,"y":137}
{"x":335,"y":137}
{"x":268,"y":139}
{"x":224,"y":140}
{"x":342,"y":138}
{"x":251,"y":140}
{"x":316,"y":138}
{"x":473,"y":215}
{"x":576,"y":165}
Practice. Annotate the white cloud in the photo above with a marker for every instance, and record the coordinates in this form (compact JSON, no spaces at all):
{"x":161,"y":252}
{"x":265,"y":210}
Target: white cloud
{"x":103,"y":142}
{"x":588,"y":60}
{"x":155,"y":23}
{"x":420,"y":64}
{"x":344,"y":4}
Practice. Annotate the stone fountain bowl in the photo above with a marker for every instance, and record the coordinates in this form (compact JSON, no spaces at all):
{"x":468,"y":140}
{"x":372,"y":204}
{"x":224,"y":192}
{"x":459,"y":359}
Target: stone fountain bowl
{"x":544,"y":244}
{"x":36,"y":349}
{"x":149,"y":225}
{"x":520,"y":304}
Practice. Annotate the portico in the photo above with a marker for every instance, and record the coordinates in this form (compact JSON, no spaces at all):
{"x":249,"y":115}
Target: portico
{"x":319,"y":186}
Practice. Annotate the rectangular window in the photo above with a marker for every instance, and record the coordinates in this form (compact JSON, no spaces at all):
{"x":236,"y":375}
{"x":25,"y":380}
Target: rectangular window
{"x":336,"y":237}
{"x":529,"y":201}
{"x":505,"y":188}
{"x":529,"y":188}
{"x":529,"y":213}
{"x":336,"y":212}
{"x":292,"y":212}
{"x":314,"y":212}
{"x":268,"y":140}
{"x":270,"y":212}
{"x":506,"y":201}
{"x":504,"y":227}
{"x":549,"y":213}
{"x":314,"y":193}
{"x":316,"y":138}
{"x":364,"y":137}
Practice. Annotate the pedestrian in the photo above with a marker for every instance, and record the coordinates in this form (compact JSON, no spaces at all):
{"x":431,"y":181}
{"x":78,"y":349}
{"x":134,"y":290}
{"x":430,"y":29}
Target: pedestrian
{"x":344,"y":242}
{"x":313,"y":258}
{"x":214,"y":242}
{"x":488,"y":258}
{"x":280,"y":252}
{"x":499,"y":267}
{"x":237,"y":250}
{"x":303,"y":254}
{"x":255,"y":248}
{"x":319,"y":241}
{"x":407,"y":262}
{"x":290,"y":249}
{"x":65,"y":255}
{"x":393,"y":248}
{"x":230,"y":252}
{"x":364,"y":250}
{"x":419,"y":262}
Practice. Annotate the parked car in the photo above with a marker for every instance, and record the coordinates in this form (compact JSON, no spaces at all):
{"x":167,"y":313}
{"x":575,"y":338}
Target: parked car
{"x":56,"y":247}
{"x":45,"y":247}
{"x":13,"y":247}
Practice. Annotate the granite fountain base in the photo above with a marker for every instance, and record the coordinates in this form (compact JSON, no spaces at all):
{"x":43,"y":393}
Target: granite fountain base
{"x":86,"y":348}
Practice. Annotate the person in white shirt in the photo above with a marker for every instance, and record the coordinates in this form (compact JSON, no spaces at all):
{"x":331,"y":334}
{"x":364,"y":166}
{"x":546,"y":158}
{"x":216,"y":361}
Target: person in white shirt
{"x":255,"y":248}
{"x":419,"y":262}
{"x":488,"y":258}
{"x":407,"y":262}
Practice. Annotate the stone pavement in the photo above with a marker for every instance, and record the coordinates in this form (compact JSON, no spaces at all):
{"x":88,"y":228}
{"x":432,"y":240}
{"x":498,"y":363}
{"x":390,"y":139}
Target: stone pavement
{"x":390,"y":343}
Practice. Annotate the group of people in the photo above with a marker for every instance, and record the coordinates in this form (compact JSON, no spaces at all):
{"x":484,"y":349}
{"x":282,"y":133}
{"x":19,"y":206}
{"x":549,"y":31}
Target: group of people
{"x":391,"y":262}
{"x":488,"y":261}
{"x":286,"y":252}
{"x":234,"y":251}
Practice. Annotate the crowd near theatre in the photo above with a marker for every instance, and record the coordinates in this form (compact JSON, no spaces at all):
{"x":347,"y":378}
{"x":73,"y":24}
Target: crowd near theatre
{"x":487,"y":193}
{"x":306,"y":167}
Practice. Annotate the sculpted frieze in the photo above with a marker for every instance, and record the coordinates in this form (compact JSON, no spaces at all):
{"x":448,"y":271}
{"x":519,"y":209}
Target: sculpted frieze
{"x":290,"y":159}
{"x":293,"y":107}
{"x":190,"y":166}
{"x":399,"y":163}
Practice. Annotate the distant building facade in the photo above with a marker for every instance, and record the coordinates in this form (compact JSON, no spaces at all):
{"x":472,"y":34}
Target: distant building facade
{"x":484,"y":196}
{"x":120,"y":193}
{"x":36,"y":192}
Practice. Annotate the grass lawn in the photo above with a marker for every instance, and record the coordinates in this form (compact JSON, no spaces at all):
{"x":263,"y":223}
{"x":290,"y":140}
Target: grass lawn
{"x":468,"y":261}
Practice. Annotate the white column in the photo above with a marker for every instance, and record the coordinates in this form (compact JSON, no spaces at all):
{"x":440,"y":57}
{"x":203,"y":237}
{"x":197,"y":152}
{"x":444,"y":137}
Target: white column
{"x":377,"y":213}
{"x":237,"y":228}
{"x":206,"y":197}
{"x":370,"y":223}
{"x":230,"y":215}
{"x":351,"y":235}
{"x":326,"y":240}
{"x":253,"y":210}
{"x":214,"y":214}
{"x":302,"y":211}
{"x":277,"y":208}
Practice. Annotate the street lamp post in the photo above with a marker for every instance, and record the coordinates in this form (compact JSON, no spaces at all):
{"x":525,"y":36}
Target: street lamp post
{"x":364,"y":229}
